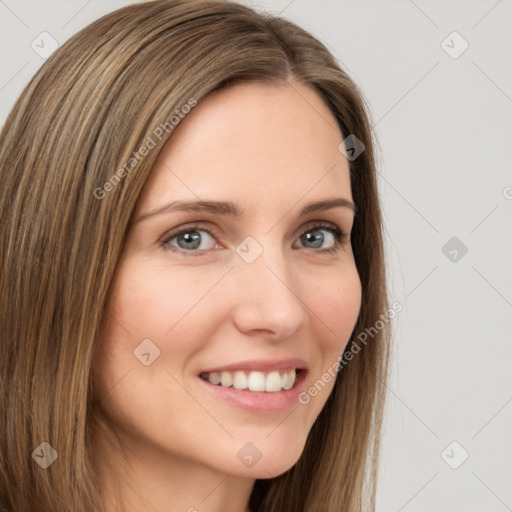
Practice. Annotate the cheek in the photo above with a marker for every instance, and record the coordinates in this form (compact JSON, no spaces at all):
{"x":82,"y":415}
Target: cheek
{"x":336,"y":305}
{"x":171,"y":307}
{"x":150,"y":299}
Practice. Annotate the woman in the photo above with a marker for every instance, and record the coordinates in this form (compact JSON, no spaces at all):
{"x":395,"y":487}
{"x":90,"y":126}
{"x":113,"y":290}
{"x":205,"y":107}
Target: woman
{"x":191,"y":248}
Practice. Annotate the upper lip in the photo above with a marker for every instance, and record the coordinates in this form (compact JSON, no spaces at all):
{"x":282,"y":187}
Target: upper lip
{"x":262,"y":365}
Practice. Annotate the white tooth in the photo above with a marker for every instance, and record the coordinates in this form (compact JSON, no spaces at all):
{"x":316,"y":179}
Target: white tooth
{"x":240,"y":380}
{"x":256,"y":381}
{"x":284,"y":379}
{"x":226,"y":380}
{"x":214,"y":378}
{"x":273,"y":382}
{"x":290,"y":381}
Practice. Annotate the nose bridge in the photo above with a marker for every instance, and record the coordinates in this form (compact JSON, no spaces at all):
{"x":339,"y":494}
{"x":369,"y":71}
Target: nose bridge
{"x":267,"y":296}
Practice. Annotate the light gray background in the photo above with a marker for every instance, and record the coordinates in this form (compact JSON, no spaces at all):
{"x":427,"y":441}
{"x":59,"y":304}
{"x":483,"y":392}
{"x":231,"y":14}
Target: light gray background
{"x":445,"y":132}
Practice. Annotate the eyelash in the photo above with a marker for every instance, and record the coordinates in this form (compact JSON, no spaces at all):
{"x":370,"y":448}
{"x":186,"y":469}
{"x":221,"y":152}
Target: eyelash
{"x":340,"y":238}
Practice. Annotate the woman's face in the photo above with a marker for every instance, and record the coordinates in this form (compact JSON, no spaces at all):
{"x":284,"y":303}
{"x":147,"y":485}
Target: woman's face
{"x":204,"y":294}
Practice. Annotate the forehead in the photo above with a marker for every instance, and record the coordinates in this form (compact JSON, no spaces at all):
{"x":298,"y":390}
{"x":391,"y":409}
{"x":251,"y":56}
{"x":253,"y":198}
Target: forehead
{"x":252,"y":142}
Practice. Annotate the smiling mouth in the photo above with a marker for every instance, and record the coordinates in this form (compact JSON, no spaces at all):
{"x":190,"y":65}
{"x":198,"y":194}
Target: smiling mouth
{"x":257,"y":381}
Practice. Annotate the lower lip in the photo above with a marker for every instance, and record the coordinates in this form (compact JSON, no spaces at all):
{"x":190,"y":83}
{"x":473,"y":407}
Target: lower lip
{"x":259,"y":401}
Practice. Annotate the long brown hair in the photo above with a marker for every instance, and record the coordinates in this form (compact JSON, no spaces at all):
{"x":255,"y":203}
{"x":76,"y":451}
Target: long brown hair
{"x":84,"y":114}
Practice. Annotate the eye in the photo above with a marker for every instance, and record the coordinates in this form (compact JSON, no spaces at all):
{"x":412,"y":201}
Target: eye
{"x":335,"y":237}
{"x":190,"y":240}
{"x":193,"y":240}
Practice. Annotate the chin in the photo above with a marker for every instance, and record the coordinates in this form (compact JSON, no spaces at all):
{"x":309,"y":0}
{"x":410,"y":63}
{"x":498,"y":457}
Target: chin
{"x":263,"y":458}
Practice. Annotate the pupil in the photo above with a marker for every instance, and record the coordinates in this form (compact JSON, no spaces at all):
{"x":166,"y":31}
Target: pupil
{"x":315,"y":238}
{"x":192,"y":238}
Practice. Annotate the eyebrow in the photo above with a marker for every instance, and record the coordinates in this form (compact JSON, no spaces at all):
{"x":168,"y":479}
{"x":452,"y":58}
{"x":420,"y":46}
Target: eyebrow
{"x":235,"y":210}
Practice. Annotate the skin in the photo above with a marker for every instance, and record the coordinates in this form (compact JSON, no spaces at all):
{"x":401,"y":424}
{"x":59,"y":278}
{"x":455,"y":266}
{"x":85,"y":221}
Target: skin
{"x":272,"y":149}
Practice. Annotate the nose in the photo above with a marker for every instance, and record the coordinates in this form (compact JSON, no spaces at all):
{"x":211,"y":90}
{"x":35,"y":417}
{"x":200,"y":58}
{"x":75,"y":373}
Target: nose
{"x":268,"y":297}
